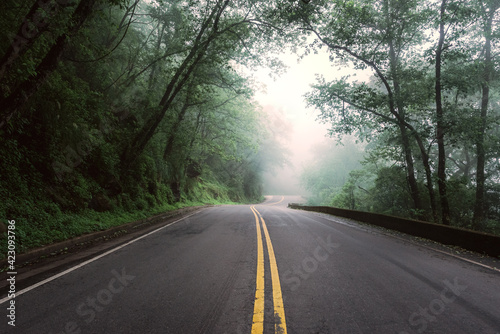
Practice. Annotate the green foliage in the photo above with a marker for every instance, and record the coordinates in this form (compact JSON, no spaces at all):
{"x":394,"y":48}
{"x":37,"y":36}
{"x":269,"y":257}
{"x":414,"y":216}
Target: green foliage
{"x":353,"y":194}
{"x":461,"y":197}
{"x":326,"y":176}
{"x":397,"y":107}
{"x":391,"y":192}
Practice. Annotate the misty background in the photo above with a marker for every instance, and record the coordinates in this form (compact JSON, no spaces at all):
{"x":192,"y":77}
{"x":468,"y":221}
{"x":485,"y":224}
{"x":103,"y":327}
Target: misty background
{"x":301,"y":133}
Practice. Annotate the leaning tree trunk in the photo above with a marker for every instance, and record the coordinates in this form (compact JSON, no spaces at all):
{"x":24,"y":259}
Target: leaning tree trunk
{"x":440,"y":131}
{"x":176,"y":84}
{"x":410,"y":169}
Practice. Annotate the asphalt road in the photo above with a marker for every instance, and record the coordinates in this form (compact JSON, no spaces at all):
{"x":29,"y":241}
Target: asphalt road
{"x":264,"y":268}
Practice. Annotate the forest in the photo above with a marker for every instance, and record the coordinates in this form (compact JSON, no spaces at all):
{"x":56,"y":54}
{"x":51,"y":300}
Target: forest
{"x":428,"y":114}
{"x":113,"y":110}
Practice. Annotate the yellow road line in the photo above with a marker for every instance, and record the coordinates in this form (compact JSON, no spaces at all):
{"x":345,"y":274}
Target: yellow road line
{"x":281,"y":200}
{"x":258,"y":309}
{"x":279,"y":309}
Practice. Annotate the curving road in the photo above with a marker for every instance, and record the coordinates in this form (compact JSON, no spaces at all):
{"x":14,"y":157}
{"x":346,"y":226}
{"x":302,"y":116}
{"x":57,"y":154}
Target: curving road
{"x":265,"y":269}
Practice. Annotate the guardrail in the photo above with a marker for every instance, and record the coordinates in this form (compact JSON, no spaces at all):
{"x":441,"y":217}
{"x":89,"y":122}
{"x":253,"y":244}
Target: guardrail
{"x":475,"y":241}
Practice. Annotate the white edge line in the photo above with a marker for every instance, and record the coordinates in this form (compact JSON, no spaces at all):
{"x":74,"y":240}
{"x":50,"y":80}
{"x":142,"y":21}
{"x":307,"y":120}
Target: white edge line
{"x":36,"y":285}
{"x":416,"y":244}
{"x":453,"y":255}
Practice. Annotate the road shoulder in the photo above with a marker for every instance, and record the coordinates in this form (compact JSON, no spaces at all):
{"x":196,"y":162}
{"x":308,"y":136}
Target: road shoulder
{"x":43,"y":262}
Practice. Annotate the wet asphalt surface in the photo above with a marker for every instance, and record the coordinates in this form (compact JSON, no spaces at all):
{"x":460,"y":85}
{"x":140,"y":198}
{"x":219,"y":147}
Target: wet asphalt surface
{"x":199,"y":276}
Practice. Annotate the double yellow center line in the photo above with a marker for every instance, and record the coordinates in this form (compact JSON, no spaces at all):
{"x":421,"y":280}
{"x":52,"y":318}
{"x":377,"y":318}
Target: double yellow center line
{"x":258,"y":311}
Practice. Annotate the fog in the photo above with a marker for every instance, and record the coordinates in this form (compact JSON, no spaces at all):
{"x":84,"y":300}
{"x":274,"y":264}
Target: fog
{"x":283,"y":98}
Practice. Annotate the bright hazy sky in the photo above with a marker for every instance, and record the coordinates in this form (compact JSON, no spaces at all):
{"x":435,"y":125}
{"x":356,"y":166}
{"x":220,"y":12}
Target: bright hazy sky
{"x":286,"y":94}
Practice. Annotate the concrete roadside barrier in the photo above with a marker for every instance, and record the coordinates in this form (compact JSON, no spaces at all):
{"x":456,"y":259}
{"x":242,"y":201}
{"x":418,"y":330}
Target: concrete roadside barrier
{"x":484,"y":243}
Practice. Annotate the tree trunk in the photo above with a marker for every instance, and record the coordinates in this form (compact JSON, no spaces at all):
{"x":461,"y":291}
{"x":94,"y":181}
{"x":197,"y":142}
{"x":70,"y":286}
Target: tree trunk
{"x":175,"y":85}
{"x":146,"y":133}
{"x":394,"y":66}
{"x":410,"y":169}
{"x":428,"y":172}
{"x":430,"y":183}
{"x":152,"y":75}
{"x":173,"y":132}
{"x":479,"y":214}
{"x":440,"y":130}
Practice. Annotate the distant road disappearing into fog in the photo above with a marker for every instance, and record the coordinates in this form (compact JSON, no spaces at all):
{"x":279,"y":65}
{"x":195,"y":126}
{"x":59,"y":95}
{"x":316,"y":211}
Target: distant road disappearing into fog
{"x":265,"y":269}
